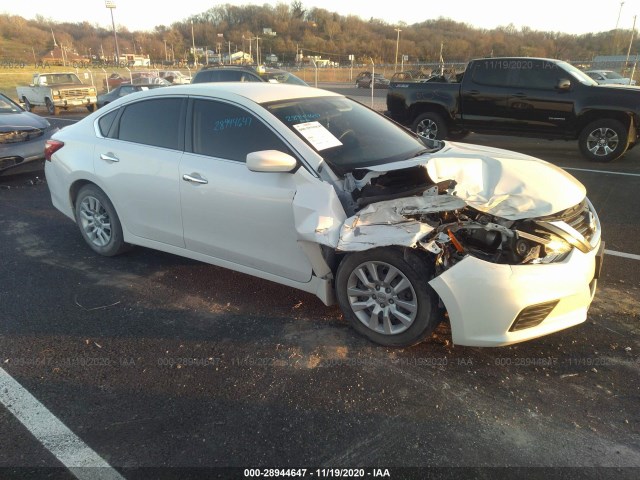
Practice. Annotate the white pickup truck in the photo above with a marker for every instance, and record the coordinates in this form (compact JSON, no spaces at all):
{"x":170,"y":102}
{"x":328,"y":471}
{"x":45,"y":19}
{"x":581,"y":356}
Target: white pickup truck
{"x":57,"y":91}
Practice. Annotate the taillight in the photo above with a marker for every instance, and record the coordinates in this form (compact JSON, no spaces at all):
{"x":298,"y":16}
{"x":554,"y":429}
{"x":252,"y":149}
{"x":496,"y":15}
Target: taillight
{"x":51,"y":147}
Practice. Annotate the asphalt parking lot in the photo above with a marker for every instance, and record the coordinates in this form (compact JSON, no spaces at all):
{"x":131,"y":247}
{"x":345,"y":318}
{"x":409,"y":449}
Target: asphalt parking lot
{"x":148,"y":365}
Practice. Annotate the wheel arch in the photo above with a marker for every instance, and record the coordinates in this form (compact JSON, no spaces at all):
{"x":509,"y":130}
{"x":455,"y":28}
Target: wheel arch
{"x":626,"y":118}
{"x":423,"y":107}
{"x":75,"y":187}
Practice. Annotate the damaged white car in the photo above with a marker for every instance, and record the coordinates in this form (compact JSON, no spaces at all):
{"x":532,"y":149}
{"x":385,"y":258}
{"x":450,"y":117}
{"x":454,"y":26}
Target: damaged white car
{"x":312,"y":190}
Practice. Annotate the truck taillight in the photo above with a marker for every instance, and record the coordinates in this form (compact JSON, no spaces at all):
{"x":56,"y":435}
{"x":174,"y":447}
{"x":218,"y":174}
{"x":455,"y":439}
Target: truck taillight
{"x":51,"y":147}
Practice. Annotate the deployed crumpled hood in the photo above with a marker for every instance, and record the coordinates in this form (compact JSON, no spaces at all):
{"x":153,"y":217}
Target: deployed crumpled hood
{"x":499,"y":182}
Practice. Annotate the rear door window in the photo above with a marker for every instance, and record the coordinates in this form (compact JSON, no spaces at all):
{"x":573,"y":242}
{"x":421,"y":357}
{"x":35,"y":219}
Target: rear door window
{"x":154,"y":122}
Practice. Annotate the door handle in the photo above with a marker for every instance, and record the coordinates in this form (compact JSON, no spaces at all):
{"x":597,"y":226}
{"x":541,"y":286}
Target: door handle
{"x":519,"y":95}
{"x":109,"y":157}
{"x":194,"y":178}
{"x":473,"y":92}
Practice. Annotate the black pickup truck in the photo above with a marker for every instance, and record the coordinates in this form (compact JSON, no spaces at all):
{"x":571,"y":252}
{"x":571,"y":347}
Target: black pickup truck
{"x":529,"y":97}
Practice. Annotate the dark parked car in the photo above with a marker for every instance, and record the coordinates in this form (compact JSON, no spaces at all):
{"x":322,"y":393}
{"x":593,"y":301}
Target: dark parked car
{"x":121,"y":91}
{"x":22,"y":138}
{"x":239,"y":73}
{"x":379,"y":81}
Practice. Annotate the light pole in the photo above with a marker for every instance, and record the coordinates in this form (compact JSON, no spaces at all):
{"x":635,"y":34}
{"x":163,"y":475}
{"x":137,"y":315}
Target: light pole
{"x":193,"y":44}
{"x":395,"y":67}
{"x":110,"y":4}
{"x":615,"y":34}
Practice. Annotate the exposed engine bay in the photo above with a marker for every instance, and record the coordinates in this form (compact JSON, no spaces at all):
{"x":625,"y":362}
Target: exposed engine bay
{"x":407,"y":207}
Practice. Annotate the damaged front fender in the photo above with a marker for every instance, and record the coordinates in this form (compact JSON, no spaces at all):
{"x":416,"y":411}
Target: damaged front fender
{"x":392,"y":222}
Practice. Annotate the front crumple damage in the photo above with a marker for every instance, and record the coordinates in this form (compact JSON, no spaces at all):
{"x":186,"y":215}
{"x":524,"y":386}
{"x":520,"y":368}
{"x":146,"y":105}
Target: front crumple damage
{"x":498,"y":206}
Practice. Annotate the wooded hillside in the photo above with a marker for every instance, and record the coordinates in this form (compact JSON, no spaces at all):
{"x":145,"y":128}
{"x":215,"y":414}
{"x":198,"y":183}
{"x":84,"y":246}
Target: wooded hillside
{"x":313,"y":31}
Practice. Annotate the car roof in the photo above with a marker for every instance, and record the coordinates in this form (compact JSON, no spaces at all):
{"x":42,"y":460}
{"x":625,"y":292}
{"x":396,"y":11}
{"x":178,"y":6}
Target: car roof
{"x":259,"y":92}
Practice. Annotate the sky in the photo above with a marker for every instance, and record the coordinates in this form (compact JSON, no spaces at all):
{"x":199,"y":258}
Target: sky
{"x":567,"y":16}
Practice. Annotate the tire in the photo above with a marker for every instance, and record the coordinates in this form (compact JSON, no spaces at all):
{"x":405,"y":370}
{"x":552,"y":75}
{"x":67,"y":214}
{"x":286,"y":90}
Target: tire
{"x":430,"y":125}
{"x":51,"y":108}
{"x":98,"y":222}
{"x":92,"y":107}
{"x":603,"y":140}
{"x":27,"y":104}
{"x":399,"y":318}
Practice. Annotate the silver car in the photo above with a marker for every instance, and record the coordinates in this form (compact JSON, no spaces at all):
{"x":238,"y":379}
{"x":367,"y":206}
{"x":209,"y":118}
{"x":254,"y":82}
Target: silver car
{"x":22,"y":138}
{"x":312,"y":190}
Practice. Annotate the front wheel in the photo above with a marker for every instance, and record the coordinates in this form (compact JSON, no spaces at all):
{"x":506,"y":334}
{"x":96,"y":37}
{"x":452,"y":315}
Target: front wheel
{"x":98,"y":222}
{"x":91,"y":107}
{"x":431,"y":126}
{"x":27,"y":104}
{"x":51,"y":108}
{"x":385,"y":296}
{"x":603,"y":140}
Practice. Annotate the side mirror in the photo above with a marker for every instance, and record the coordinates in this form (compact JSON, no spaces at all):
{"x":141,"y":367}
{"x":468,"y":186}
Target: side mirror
{"x":563,"y":84}
{"x":271,"y":161}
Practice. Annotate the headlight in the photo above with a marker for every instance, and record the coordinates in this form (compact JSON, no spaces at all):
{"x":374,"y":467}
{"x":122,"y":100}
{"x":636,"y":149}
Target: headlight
{"x":557,"y":246}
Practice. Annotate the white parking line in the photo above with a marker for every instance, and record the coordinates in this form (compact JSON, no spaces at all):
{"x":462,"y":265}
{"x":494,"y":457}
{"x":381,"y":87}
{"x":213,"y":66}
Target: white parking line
{"x":66,"y":446}
{"x":632,"y":256}
{"x":602,"y":171}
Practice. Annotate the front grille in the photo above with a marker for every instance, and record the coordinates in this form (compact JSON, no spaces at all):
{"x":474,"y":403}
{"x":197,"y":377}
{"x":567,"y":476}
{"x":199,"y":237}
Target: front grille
{"x":579,"y":218}
{"x":533,"y":315}
{"x":76,"y":92}
{"x":581,"y":221}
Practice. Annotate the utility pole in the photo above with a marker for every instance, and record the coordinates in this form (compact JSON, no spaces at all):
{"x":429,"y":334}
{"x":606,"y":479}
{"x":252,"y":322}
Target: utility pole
{"x":633,"y":32}
{"x":395,"y":66}
{"x":193,"y":45}
{"x":257,"y":39}
{"x":615,"y":33}
{"x":110,"y":4}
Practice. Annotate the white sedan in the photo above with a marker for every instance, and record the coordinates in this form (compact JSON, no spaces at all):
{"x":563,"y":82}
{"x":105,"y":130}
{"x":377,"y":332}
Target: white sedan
{"x":312,"y":190}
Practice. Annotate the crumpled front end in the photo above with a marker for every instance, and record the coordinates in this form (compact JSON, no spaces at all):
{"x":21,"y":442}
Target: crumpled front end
{"x":515,"y":243}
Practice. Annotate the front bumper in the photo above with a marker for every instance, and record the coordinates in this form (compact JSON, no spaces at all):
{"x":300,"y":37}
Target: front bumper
{"x":483,"y":299}
{"x":75,"y":102}
{"x":26,"y":156}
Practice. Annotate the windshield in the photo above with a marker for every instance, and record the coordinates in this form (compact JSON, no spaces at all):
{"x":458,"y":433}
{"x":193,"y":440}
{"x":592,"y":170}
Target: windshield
{"x":8,"y":106}
{"x":284,"y":77}
{"x":53,"y":78}
{"x":612,"y":75}
{"x":578,"y":74}
{"x":345,"y":133}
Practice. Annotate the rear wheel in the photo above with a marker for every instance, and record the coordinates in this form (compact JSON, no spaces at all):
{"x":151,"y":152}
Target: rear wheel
{"x":603,"y":140}
{"x":98,"y":222}
{"x":430,"y":125}
{"x":386,"y":297}
{"x":51,"y":108}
